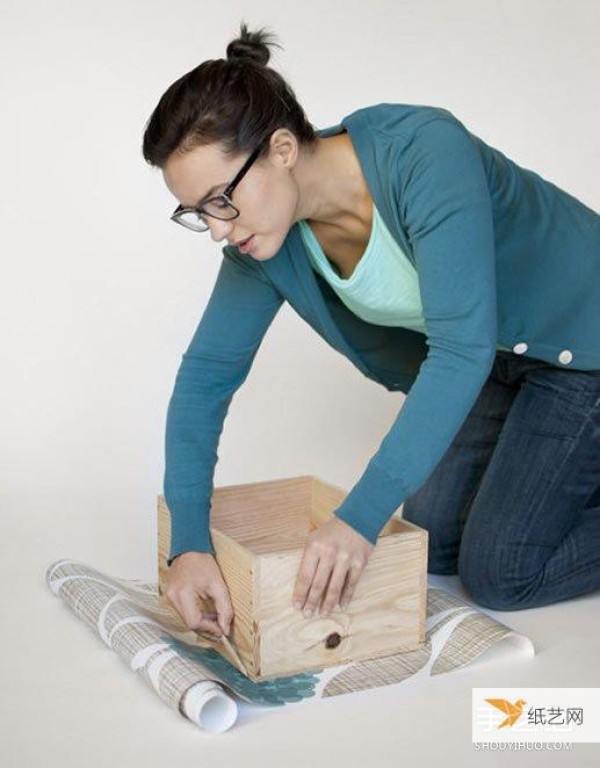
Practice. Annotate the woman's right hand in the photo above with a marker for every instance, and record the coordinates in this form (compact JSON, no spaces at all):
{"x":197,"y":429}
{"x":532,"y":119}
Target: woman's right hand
{"x":194,"y":575}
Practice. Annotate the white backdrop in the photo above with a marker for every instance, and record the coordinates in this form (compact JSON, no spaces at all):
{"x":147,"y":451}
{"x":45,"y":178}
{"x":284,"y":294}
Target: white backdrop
{"x":101,"y":292}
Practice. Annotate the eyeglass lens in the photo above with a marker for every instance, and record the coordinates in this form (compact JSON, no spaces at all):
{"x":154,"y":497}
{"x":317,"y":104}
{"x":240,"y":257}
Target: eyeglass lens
{"x":219,"y":209}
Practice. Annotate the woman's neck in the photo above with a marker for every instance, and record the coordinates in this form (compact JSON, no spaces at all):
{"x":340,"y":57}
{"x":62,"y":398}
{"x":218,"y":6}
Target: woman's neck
{"x":331,"y":183}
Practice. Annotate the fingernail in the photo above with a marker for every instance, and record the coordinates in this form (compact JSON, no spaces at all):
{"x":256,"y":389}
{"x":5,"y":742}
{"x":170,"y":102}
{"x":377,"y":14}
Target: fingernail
{"x":297,"y":605}
{"x":308,"y":612}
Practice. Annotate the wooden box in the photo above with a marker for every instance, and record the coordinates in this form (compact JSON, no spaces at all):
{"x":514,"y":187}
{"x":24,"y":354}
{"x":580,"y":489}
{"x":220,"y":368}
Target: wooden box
{"x":259,"y":531}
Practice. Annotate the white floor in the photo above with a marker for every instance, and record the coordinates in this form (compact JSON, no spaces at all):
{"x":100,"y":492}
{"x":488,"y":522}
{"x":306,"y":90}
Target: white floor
{"x":51,"y":662}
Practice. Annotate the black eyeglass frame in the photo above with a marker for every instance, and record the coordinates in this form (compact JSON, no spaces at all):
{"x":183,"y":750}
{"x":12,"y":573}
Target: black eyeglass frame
{"x":225,"y":195}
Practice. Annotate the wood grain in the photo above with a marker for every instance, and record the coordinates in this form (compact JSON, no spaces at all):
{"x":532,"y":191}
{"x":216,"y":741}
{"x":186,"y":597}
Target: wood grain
{"x":259,"y":531}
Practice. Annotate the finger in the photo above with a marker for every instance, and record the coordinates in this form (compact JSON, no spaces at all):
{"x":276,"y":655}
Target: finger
{"x":334,"y":589}
{"x":209,"y":625}
{"x":222,"y":602}
{"x":195,"y":618}
{"x":352,"y":579}
{"x":319,"y":583}
{"x":308,"y":567}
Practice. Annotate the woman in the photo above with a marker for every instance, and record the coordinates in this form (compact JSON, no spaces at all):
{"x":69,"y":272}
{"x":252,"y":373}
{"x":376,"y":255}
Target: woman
{"x":441,"y":269}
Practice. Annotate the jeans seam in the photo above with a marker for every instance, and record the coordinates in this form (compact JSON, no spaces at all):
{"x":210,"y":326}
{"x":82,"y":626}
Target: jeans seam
{"x":571,"y":446}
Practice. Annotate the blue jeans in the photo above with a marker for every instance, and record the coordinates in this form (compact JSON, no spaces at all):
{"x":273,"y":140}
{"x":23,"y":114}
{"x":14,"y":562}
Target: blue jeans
{"x":513,"y":507}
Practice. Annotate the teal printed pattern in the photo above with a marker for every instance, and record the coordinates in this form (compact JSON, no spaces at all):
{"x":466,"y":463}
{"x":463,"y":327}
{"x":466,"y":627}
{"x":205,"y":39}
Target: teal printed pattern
{"x":282,"y":690}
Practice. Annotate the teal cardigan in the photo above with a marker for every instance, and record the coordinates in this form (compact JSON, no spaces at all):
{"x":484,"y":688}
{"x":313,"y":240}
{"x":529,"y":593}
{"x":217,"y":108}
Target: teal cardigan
{"x":503,"y":257}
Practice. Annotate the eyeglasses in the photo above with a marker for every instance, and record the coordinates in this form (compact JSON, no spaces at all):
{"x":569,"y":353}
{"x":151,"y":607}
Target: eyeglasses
{"x":219,"y":206}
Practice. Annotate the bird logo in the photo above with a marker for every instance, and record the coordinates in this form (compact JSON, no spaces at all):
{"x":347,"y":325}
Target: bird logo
{"x":513,"y":711}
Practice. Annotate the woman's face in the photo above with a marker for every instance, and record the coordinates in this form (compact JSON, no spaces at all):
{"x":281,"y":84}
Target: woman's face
{"x":266,"y":197}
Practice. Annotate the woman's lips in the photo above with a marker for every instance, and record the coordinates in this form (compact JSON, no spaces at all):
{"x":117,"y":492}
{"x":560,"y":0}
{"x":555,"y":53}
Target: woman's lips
{"x":247,"y":245}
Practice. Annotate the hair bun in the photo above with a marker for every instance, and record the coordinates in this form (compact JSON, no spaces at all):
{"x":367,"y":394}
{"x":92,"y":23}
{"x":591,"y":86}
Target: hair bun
{"x":251,"y":46}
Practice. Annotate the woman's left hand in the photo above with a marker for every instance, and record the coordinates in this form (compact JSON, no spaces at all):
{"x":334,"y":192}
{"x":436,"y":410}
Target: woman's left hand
{"x":333,"y":549}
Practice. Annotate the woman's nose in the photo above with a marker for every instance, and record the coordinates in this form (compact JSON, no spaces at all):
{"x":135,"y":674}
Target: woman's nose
{"x":219,"y":229}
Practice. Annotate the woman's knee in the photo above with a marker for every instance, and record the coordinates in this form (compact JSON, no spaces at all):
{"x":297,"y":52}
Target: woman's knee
{"x":491,"y":584}
{"x":442,"y":541}
{"x":440,"y":566}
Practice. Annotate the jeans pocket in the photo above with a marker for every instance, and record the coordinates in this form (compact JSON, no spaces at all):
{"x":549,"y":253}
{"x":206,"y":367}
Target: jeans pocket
{"x":556,"y":403}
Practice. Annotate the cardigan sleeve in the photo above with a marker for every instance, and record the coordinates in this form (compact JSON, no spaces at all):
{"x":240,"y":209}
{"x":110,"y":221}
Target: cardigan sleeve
{"x":445,"y":207}
{"x":218,"y":359}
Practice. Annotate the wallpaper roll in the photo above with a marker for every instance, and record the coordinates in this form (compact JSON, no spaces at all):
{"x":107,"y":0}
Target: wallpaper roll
{"x":127,"y":617}
{"x":202,"y":686}
{"x":206,"y":704}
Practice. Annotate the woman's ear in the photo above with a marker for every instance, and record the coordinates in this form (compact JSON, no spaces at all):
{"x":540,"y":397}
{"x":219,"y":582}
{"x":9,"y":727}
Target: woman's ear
{"x":283,"y":148}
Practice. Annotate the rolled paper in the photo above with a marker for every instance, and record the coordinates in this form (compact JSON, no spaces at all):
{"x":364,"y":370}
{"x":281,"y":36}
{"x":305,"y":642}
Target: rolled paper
{"x":202,"y":685}
{"x":209,"y":707}
{"x":127,"y":617}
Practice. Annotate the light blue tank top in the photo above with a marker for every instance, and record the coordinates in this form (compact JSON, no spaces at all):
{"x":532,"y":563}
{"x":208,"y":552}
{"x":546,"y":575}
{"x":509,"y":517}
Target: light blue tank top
{"x":384,"y":287}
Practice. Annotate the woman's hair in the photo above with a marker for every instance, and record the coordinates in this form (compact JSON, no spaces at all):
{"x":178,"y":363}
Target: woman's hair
{"x":237,"y":101}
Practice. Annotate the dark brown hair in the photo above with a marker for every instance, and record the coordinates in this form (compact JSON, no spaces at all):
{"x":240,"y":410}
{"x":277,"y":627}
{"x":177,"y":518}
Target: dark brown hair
{"x":237,"y":101}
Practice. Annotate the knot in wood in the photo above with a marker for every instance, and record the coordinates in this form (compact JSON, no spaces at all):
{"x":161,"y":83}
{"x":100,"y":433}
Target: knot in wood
{"x":333,"y":640}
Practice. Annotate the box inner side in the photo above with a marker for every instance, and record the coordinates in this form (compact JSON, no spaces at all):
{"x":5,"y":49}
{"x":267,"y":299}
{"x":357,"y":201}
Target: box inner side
{"x":264,"y":517}
{"x":277,"y":515}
